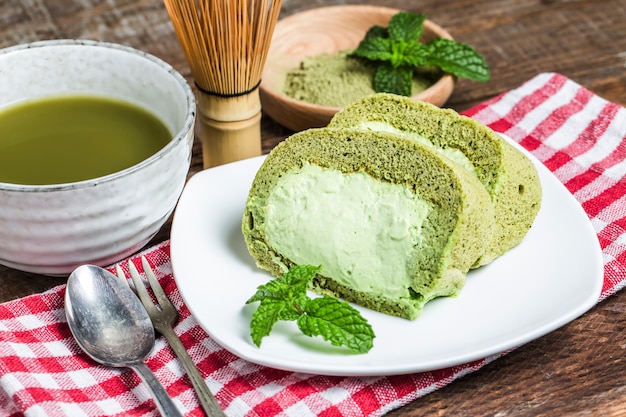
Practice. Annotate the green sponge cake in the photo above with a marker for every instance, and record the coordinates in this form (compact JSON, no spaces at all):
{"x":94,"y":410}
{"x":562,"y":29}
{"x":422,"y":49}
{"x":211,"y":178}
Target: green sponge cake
{"x":392,"y":223}
{"x":507,"y":174}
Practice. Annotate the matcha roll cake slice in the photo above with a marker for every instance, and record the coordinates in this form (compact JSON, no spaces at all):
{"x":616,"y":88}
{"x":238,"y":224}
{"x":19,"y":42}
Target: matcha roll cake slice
{"x":392,"y":223}
{"x":507,"y":174}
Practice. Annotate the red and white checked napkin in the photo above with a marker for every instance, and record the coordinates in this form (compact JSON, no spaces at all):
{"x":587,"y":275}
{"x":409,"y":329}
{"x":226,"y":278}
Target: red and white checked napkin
{"x":576,"y":134}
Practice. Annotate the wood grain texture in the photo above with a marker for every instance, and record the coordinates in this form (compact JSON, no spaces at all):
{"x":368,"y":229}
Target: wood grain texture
{"x":578,"y":370}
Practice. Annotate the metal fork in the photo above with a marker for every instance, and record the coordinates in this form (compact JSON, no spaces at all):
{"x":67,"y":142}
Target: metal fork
{"x":163,"y":317}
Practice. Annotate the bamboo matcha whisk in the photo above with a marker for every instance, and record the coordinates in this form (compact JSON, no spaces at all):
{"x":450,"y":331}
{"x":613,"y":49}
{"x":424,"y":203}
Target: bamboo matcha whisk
{"x":226,"y":44}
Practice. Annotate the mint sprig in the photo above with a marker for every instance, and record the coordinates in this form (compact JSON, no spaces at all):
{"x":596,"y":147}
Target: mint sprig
{"x":397,"y":51}
{"x":285,"y":298}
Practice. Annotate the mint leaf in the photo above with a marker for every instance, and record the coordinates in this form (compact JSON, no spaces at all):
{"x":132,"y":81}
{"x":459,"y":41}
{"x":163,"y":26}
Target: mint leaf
{"x":377,"y":32}
{"x":275,"y":289}
{"x":415,"y":54}
{"x":299,"y":276}
{"x":397,"y":51}
{"x":405,"y":26}
{"x":375,"y":49}
{"x":285,"y":298}
{"x":264,"y":317}
{"x":289,"y":286}
{"x":337,"y":322}
{"x":295,"y":308}
{"x":406,"y":53}
{"x":388,"y":79}
{"x":457,"y":58}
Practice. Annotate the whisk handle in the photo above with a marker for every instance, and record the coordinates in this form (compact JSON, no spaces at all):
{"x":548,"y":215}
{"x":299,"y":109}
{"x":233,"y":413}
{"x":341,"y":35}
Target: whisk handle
{"x":230,"y":128}
{"x":224,"y":142}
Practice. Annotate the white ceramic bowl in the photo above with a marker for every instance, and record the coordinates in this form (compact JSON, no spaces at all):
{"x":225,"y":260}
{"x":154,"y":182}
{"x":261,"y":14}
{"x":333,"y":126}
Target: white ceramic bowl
{"x":51,"y":229}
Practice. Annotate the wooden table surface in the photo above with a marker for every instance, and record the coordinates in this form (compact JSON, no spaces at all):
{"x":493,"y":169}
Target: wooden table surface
{"x":578,"y":370}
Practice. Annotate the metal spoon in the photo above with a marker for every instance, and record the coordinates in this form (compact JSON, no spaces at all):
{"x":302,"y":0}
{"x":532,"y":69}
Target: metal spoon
{"x":112,"y":327}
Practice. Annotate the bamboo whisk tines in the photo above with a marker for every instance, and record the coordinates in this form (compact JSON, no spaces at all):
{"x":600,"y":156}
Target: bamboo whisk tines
{"x":226,"y":44}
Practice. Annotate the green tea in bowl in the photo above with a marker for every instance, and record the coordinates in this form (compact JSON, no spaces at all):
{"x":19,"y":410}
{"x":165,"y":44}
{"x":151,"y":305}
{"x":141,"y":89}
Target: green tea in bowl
{"x":95,"y":148}
{"x":64,"y":139}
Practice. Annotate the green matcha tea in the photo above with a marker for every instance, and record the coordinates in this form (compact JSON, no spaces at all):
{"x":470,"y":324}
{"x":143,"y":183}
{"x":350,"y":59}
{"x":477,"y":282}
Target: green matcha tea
{"x":73,"y":138}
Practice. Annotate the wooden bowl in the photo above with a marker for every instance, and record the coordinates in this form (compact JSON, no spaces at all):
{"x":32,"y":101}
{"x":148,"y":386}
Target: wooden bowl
{"x":327,"y":30}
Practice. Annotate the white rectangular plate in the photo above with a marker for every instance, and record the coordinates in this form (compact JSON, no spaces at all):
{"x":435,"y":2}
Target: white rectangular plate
{"x":551,"y":278}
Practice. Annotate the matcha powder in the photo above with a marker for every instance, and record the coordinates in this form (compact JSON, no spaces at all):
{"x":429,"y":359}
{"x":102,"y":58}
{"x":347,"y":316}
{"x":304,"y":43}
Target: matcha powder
{"x":337,"y":80}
